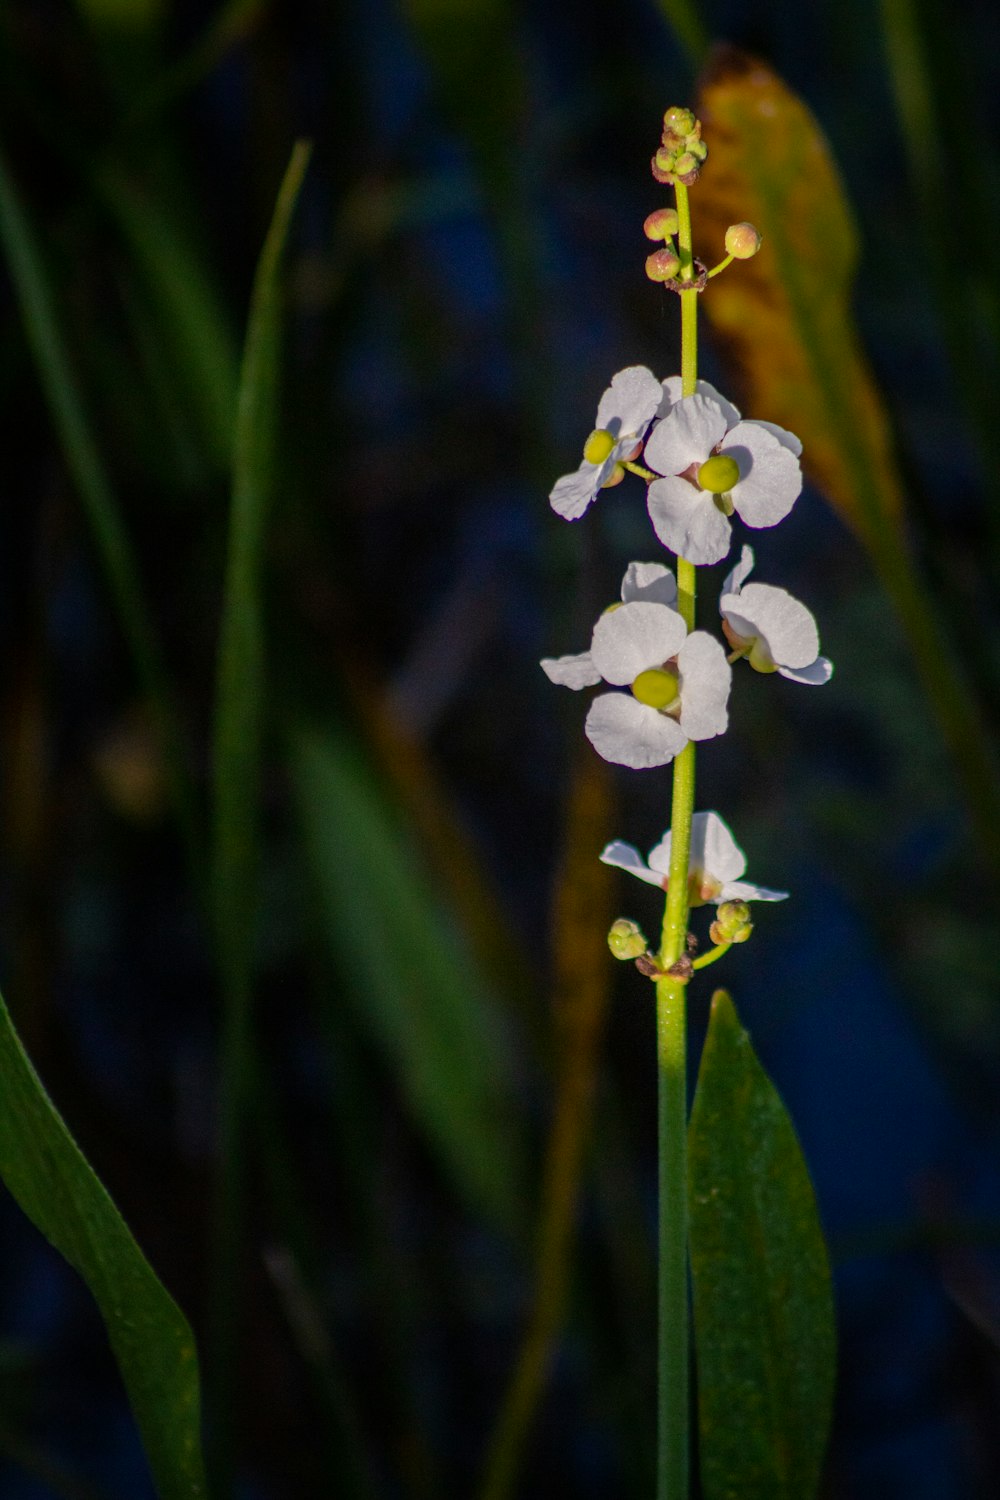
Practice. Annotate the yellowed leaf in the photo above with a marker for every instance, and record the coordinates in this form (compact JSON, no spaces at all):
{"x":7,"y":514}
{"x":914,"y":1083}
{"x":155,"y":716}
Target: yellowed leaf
{"x":784,"y":318}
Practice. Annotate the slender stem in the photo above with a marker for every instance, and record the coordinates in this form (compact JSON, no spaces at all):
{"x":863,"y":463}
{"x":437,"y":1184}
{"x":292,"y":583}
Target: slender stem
{"x":711,"y":956}
{"x":671,"y":1032}
{"x":638,"y":469}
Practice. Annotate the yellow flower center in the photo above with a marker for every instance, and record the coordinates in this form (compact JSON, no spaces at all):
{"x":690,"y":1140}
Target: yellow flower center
{"x":657,"y":688}
{"x":760,"y":658}
{"x":598,"y":446}
{"x":719,"y":473}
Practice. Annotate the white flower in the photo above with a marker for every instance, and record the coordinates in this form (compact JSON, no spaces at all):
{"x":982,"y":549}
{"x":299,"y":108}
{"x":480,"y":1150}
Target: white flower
{"x":772,"y":629}
{"x":714,"y":463}
{"x":625,"y":411}
{"x":678,"y":683}
{"x":651,"y":582}
{"x":716,"y":864}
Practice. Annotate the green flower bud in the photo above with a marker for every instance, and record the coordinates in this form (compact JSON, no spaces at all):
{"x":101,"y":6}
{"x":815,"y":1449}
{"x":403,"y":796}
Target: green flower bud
{"x":662,"y":265}
{"x":686,"y":165}
{"x":732,"y":923}
{"x":742,"y":241}
{"x":679,"y":121}
{"x":626,"y":940}
{"x":660,"y":224}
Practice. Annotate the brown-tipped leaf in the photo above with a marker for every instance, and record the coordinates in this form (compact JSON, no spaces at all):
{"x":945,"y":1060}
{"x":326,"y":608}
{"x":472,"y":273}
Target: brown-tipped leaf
{"x":784,"y":318}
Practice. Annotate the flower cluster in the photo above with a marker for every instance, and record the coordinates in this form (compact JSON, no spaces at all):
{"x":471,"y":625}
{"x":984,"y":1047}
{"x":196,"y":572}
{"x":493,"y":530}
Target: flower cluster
{"x":706,"y":467}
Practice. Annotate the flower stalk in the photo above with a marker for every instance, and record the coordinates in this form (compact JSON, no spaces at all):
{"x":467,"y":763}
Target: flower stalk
{"x":673,"y":1360}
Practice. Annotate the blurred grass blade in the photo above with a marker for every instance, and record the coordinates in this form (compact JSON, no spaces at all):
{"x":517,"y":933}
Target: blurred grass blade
{"x":410,"y":972}
{"x":956,"y":211}
{"x":583,"y":972}
{"x":55,"y":373}
{"x":763,"y":1304}
{"x":236,"y":774}
{"x":54,"y":1185}
{"x":192,"y":324}
{"x":685,"y":22}
{"x":784,"y":321}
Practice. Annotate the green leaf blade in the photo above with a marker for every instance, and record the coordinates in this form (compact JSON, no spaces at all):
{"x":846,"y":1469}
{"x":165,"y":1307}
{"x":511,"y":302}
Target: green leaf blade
{"x":763,"y":1305}
{"x":410,"y":971}
{"x":50,"y":1179}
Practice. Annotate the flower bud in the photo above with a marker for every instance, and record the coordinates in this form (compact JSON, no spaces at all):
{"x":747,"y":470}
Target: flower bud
{"x":732,"y":923}
{"x":742,"y":241}
{"x":662,"y":175}
{"x":660,"y":224}
{"x":686,"y":165}
{"x":679,"y":121}
{"x":626,"y":940}
{"x":662,"y":265}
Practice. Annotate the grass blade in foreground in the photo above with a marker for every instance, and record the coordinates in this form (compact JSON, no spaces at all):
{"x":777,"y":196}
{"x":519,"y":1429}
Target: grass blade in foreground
{"x":763,"y":1305}
{"x":54,"y":1185}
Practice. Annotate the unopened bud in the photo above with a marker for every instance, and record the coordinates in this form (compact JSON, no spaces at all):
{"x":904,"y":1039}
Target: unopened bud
{"x":662,"y":265}
{"x":742,"y":241}
{"x":662,"y":174}
{"x":732,"y":923}
{"x":660,"y":224}
{"x":680,"y":121}
{"x":687,"y":165}
{"x":626,"y":940}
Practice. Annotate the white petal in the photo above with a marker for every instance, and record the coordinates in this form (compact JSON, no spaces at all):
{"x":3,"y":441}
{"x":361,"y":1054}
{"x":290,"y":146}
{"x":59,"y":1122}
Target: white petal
{"x":671,"y":387}
{"x":706,"y":677}
{"x":783,"y":623}
{"x":745,"y":890}
{"x":688,"y":521}
{"x":629,"y":733}
{"x":571,"y":671}
{"x":629,"y":403}
{"x":737,"y":577}
{"x":572,"y":494}
{"x":672,"y":394}
{"x":785,"y":438}
{"x":818,"y":672}
{"x":626,"y":857}
{"x":634,"y":637}
{"x":659,"y":858}
{"x":713,"y":848}
{"x":686,"y":435}
{"x":649,"y":581}
{"x":770,"y":478}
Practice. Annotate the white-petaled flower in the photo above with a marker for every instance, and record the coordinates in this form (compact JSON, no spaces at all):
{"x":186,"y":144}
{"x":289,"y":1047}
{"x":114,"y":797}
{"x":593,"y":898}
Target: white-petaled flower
{"x":678,"y":685}
{"x":773,"y":630}
{"x":651,"y":582}
{"x":625,"y":411}
{"x":716,"y":865}
{"x":713,"y":463}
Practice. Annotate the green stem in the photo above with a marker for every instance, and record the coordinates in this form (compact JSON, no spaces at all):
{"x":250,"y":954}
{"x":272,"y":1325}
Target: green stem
{"x":711,"y":956}
{"x":671,"y":1022}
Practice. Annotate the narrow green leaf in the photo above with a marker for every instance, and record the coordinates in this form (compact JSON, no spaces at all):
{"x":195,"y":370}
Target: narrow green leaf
{"x":241,"y":652}
{"x":192,"y":323}
{"x":54,"y":1185}
{"x":37,"y":304}
{"x":763,"y":1305}
{"x":410,"y":972}
{"x":236,"y":772}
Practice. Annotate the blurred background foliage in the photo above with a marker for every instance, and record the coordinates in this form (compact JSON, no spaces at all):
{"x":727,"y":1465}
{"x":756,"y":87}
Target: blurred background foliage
{"x":301,"y":919}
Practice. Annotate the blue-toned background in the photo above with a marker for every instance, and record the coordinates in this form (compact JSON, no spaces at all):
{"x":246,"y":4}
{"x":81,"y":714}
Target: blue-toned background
{"x":464,"y":278}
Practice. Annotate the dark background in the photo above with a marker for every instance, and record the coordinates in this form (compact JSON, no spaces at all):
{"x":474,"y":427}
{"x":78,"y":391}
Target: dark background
{"x":464,"y":277}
